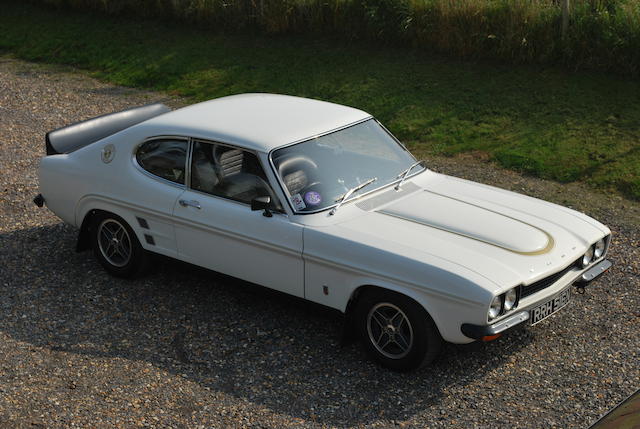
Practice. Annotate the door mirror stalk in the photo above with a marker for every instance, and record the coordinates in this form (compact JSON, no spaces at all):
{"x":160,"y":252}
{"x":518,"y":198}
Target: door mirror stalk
{"x":262,"y":203}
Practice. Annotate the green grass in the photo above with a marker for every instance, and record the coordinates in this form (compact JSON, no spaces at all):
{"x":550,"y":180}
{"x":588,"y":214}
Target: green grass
{"x":549,"y":123}
{"x":603,"y":34}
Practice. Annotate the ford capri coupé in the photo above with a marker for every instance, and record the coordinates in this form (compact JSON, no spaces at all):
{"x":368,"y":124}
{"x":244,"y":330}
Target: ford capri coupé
{"x":319,"y":201}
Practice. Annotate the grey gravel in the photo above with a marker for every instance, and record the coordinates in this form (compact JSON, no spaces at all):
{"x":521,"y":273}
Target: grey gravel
{"x":184,"y":347}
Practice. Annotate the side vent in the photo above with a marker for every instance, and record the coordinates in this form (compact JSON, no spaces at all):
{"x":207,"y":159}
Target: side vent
{"x":143,"y":223}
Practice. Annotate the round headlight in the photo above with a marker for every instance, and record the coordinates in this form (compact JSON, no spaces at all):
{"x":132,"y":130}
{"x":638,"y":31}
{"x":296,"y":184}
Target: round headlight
{"x":495,"y":308}
{"x":510,"y":299}
{"x":588,"y":257}
{"x":599,"y":248}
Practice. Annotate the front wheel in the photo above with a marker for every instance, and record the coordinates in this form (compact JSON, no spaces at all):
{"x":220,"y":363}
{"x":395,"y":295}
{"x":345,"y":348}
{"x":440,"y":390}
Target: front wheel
{"x":396,"y":331}
{"x":116,"y":246}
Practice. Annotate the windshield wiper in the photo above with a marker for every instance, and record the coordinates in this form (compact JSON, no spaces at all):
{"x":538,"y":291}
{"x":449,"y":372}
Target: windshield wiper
{"x":347,"y":194}
{"x":405,"y":173}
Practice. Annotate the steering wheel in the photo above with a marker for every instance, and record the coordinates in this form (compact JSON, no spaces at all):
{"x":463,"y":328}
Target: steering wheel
{"x":312,"y":186}
{"x":296,"y":162}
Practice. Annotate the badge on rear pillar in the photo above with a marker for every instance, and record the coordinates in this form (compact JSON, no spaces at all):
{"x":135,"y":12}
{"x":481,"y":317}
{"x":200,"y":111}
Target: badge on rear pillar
{"x":108,"y":153}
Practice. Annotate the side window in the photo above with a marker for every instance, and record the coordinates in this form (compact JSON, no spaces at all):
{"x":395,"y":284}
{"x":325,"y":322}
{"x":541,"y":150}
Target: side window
{"x":164,"y":158}
{"x":229,"y":173}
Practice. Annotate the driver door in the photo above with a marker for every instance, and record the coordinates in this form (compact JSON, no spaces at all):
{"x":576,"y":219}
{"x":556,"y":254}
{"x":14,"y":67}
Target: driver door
{"x":216,"y":229}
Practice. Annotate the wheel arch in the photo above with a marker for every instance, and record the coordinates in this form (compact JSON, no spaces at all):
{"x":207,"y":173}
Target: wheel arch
{"x":88,"y":208}
{"x":84,"y":235}
{"x":413,"y":295}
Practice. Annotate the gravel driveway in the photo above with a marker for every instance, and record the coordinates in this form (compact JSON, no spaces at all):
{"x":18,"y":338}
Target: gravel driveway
{"x":185,"y":347}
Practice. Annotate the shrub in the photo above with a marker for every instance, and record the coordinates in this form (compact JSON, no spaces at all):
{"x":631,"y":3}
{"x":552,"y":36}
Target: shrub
{"x":604,"y":34}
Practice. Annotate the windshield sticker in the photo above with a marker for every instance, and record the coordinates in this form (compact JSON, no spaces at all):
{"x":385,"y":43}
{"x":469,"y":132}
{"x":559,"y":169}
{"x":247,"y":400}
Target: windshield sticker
{"x":312,"y":198}
{"x":297,"y":202}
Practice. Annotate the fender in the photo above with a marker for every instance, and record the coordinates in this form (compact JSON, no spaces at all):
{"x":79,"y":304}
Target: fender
{"x":440,"y":310}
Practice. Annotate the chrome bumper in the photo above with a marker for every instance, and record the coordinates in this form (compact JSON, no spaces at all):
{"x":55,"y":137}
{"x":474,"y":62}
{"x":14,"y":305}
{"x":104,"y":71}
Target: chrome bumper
{"x":478,"y":332}
{"x":595,"y":271}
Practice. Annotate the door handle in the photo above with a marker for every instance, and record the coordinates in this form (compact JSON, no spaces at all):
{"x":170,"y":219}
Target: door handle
{"x":190,"y":203}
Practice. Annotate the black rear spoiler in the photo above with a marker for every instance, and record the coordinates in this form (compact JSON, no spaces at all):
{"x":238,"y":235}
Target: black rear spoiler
{"x":74,"y":136}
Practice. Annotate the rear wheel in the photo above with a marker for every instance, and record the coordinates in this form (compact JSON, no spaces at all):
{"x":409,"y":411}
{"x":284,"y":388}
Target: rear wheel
{"x":396,"y":331}
{"x":116,"y":246}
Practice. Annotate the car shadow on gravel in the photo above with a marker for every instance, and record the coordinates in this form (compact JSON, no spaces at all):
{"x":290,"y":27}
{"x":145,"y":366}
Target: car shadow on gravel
{"x":226,"y":335}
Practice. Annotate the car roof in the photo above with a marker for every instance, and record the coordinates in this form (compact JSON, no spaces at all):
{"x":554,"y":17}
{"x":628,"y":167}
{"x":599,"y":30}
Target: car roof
{"x":258,"y":122}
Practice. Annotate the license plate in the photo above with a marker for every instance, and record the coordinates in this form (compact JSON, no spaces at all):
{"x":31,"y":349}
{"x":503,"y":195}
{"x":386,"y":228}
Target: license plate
{"x":548,"y":308}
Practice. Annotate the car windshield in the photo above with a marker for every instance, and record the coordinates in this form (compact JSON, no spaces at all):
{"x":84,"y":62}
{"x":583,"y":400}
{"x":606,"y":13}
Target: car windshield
{"x":318,"y":172}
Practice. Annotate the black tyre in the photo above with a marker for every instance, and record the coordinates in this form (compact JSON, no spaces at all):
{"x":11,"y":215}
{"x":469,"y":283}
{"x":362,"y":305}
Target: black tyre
{"x":396,"y":331}
{"x":116,"y":246}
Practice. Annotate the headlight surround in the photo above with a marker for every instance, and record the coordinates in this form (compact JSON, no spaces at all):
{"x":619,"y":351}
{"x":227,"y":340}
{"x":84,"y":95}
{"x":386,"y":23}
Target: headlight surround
{"x":510,"y":299}
{"x":496,"y":307}
{"x":599,"y":248}
{"x":587,"y":257}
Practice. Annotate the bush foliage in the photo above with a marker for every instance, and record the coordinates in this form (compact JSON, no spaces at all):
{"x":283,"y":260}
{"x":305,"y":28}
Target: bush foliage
{"x":603,"y":34}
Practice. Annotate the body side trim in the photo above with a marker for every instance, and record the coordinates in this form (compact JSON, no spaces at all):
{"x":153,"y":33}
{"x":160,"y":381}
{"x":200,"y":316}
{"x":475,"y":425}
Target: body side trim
{"x":175,"y":220}
{"x":377,"y":274}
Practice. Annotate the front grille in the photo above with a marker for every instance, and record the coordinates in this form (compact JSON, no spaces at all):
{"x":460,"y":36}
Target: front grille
{"x":547,"y":281}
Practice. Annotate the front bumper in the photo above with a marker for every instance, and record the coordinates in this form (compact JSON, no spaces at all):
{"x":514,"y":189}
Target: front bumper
{"x":478,"y":332}
{"x":595,"y":271}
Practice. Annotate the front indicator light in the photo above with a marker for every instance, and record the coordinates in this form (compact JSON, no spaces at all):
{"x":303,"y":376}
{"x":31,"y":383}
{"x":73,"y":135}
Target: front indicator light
{"x":599,"y":248}
{"x":588,"y":257}
{"x":491,"y":337}
{"x":495,"y":308}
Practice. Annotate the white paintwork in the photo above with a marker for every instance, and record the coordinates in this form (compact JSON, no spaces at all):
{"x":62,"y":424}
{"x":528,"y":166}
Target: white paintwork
{"x":450,"y":244}
{"x":454,"y":277}
{"x":260,"y":122}
{"x":460,"y":217}
{"x":228,"y":237}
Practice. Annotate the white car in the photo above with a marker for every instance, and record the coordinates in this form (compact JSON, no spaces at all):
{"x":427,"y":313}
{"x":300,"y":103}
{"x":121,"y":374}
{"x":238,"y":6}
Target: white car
{"x":319,"y":201}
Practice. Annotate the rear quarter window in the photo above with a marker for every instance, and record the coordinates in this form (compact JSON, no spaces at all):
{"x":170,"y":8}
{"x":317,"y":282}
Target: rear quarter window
{"x":164,"y":158}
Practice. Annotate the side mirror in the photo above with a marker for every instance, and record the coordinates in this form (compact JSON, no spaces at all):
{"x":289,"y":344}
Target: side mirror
{"x":262,"y":203}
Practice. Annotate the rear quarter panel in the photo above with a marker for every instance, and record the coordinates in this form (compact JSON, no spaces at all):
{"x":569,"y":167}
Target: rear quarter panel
{"x":76,"y":183}
{"x":62,"y":182}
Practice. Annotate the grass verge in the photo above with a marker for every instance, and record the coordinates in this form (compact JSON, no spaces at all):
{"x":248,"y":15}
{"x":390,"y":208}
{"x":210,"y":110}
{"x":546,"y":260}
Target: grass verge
{"x":549,"y":123}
